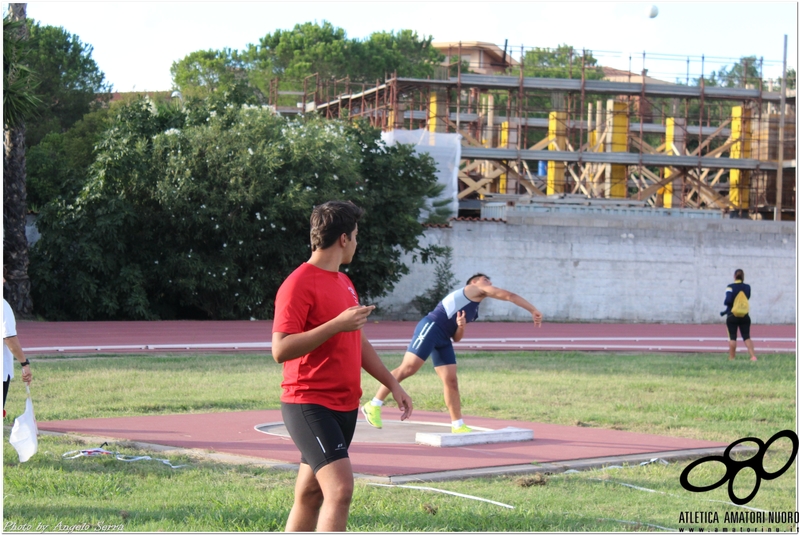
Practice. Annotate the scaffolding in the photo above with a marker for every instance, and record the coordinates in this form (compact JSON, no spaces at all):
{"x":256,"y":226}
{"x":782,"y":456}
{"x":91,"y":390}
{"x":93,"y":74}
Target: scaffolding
{"x":664,"y":145}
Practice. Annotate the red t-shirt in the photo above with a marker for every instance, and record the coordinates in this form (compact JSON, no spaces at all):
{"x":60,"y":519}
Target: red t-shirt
{"x":330,"y":375}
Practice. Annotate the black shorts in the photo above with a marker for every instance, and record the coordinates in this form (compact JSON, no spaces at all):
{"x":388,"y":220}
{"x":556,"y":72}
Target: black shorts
{"x":734,"y":323}
{"x":322,"y":435}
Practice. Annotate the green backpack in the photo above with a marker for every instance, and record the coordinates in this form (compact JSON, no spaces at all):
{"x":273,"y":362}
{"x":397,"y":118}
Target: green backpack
{"x":740,"y":307}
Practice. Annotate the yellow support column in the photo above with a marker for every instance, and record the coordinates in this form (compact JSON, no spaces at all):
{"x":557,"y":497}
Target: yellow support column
{"x":504,"y":142}
{"x":504,"y":134}
{"x":557,"y":141}
{"x":741,"y":132}
{"x":490,"y":136}
{"x":396,"y":117}
{"x":597,"y":170}
{"x":675,"y":138}
{"x":618,"y":122}
{"x":436,"y":113}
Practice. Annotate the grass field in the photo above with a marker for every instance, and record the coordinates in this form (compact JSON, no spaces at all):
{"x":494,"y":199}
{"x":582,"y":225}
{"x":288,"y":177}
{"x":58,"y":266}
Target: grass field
{"x":699,"y":396}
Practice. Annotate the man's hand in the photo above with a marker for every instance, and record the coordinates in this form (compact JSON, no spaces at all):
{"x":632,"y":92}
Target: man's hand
{"x":537,"y":318}
{"x":27,"y":375}
{"x":461,"y":319}
{"x":403,"y":401}
{"x":13,"y":345}
{"x":354,"y":318}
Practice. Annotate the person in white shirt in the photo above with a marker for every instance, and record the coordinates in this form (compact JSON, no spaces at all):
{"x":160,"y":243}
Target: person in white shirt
{"x":11,"y":350}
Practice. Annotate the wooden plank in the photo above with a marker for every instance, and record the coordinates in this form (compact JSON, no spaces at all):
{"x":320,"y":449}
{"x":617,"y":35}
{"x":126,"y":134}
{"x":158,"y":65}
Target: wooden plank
{"x":718,"y":151}
{"x":650,"y":175}
{"x":473,"y":186}
{"x":577,"y":181}
{"x":707,"y":191}
{"x":717,"y":177}
{"x":472,"y":166}
{"x":541,"y":144}
{"x":531,"y":188}
{"x":643,"y":145}
{"x":711,"y":137}
{"x":651,"y":190}
{"x":471,"y":140}
{"x":532,"y":185}
{"x":599,"y":142}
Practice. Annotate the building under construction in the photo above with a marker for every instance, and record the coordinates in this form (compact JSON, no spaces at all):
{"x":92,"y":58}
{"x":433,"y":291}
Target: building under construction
{"x":636,"y":142}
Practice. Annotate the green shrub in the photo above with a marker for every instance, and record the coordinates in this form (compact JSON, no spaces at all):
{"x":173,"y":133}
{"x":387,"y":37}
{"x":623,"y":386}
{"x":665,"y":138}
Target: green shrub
{"x":202,"y":212}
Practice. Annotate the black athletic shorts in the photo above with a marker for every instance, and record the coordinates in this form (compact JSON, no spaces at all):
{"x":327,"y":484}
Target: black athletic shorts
{"x":322,"y":435}
{"x":734,"y":323}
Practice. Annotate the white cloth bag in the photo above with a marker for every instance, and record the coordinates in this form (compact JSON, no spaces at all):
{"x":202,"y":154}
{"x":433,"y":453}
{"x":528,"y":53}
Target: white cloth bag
{"x":24,"y":433}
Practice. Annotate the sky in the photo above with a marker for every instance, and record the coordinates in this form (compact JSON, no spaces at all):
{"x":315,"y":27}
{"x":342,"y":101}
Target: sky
{"x":135,"y":43}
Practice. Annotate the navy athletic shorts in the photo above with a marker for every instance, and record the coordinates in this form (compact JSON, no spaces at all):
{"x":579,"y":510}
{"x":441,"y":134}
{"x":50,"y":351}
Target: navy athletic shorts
{"x":734,"y":323}
{"x":428,"y":339}
{"x":322,"y":435}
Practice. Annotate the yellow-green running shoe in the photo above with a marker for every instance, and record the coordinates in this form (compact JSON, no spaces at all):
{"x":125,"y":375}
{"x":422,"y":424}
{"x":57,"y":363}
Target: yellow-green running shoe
{"x":462,"y":429}
{"x":372,"y":415}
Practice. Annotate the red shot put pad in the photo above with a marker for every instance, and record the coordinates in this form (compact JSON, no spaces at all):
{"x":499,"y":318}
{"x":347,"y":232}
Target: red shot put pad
{"x":234,"y":433}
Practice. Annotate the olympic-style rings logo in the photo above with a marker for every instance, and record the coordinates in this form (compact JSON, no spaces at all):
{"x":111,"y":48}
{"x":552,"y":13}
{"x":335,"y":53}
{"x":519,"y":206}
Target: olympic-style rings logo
{"x":733,"y":467}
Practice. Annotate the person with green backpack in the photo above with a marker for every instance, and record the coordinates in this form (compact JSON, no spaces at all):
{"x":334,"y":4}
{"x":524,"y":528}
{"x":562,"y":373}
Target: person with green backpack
{"x":737,"y":302}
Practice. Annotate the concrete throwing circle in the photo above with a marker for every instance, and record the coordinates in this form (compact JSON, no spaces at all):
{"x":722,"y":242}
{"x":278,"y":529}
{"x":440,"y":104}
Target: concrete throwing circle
{"x":393,"y":432}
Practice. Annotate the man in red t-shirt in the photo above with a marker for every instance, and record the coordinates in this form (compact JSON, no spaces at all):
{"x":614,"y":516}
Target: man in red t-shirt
{"x":317,"y":337}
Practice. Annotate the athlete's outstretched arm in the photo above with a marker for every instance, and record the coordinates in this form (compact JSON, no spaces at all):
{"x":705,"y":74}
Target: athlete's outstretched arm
{"x":519,"y":301}
{"x":371,"y":362}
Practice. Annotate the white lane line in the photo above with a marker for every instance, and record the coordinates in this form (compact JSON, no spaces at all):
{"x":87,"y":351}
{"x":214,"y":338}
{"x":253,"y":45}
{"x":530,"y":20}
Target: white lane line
{"x":433,"y":489}
{"x":468,"y":343}
{"x":663,"y":347}
{"x":617,"y":339}
{"x":589,"y":338}
{"x":151,"y":347}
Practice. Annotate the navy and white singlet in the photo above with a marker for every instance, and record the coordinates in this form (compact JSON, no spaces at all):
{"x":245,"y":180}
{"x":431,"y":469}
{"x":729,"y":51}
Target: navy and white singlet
{"x":433,"y":335}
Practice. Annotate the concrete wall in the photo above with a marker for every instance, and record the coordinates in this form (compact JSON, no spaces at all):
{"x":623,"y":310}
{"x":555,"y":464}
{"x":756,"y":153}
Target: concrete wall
{"x":615,"y":269}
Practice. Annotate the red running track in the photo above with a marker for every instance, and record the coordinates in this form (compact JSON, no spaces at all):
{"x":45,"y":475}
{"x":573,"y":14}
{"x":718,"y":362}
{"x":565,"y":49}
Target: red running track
{"x":41,"y":338}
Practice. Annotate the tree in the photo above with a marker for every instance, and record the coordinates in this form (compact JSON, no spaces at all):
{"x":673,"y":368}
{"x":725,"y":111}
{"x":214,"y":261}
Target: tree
{"x":71,"y":83}
{"x":561,"y":62}
{"x":19,"y":81}
{"x":741,"y":74}
{"x":202,"y":211}
{"x":445,"y":282}
{"x":16,"y":76}
{"x":457,"y":64}
{"x":307,"y":49}
{"x":790,"y":76}
{"x":384,"y":53}
{"x":311,"y":49}
{"x":58,"y":166}
{"x":205,"y":71}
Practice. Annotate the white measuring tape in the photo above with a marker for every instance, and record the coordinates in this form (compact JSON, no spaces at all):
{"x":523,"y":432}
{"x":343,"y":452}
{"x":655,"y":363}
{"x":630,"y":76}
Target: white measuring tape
{"x":96,"y":452}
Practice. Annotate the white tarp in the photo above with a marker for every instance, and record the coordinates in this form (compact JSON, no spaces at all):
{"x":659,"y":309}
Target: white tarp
{"x":445,"y":149}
